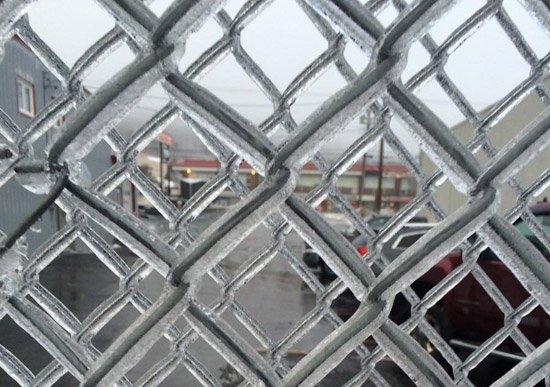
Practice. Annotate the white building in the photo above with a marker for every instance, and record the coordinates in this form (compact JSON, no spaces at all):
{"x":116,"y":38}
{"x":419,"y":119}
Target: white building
{"x":517,"y":118}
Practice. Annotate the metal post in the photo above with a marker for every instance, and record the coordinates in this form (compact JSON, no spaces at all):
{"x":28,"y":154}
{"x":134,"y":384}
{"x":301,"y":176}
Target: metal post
{"x":134,"y":199}
{"x":168,"y":177}
{"x":161,"y":156}
{"x":380,"y":167}
{"x":362,"y":176}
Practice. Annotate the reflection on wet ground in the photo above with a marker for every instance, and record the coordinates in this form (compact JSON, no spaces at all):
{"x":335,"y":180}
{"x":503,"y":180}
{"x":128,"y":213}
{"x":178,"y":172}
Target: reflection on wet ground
{"x":276,"y":296}
{"x":82,"y":282}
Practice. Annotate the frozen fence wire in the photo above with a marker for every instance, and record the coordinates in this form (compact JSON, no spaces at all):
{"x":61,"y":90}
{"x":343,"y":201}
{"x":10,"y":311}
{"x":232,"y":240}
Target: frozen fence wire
{"x":184,"y":261}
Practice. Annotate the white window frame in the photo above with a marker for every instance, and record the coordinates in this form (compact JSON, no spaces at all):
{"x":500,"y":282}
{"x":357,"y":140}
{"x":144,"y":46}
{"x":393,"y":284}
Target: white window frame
{"x":24,"y":84}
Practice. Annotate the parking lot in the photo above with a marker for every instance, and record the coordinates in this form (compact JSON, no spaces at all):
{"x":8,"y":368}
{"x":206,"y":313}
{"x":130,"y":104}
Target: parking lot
{"x":276,"y":297}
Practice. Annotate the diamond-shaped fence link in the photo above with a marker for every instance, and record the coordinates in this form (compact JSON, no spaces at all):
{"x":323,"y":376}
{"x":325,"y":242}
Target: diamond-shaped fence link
{"x":184,"y":260}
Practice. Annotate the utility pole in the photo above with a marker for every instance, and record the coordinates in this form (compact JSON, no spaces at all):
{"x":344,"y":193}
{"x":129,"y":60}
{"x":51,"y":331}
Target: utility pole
{"x":166,"y":158}
{"x":380,"y":168}
{"x":367,"y":121}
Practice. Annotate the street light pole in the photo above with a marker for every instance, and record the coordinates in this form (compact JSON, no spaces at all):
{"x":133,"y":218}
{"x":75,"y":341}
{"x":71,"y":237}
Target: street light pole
{"x":161,"y":157}
{"x":380,"y":168}
{"x":363,"y":165}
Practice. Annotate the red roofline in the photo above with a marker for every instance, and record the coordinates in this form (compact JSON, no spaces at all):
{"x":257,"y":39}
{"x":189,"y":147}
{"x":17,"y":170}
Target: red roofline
{"x":198,"y":163}
{"x":398,"y":199}
{"x":215,"y":164}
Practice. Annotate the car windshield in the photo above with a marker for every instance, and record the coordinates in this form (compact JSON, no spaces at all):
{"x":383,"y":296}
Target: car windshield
{"x":543,"y":220}
{"x":523,"y":228}
{"x":377,"y":223}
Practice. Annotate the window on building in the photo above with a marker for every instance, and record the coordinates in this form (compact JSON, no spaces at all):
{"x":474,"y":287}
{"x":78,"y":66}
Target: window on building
{"x":25,"y":97}
{"x":59,"y":122}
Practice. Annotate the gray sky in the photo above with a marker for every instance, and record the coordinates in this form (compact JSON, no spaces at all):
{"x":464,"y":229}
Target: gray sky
{"x":283,"y":42}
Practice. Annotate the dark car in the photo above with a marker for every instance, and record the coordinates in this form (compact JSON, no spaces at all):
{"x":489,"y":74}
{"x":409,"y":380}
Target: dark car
{"x":404,"y":238}
{"x":346,"y":304}
{"x":146,"y":211}
{"x":377,"y":222}
{"x":340,"y":224}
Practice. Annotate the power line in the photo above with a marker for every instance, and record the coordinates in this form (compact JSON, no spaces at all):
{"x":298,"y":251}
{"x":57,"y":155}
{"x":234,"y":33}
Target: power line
{"x":258,"y":91}
{"x":258,"y":105}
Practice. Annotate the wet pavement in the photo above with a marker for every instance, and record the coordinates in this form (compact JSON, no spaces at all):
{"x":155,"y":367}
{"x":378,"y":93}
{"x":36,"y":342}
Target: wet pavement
{"x":275,"y":296}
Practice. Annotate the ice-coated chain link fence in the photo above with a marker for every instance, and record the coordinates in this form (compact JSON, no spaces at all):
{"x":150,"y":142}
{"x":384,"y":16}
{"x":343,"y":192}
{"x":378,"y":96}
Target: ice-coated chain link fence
{"x":184,"y":260}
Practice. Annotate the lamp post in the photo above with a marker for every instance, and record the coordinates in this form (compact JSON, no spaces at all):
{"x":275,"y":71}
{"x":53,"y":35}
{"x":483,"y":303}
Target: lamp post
{"x":166,"y":153}
{"x":367,"y":121}
{"x":380,"y":168}
{"x":164,"y":156}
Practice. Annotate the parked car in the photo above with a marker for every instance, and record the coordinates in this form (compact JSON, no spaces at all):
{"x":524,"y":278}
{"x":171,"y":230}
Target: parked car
{"x":467,"y":315}
{"x":340,"y":223}
{"x":146,"y":211}
{"x":377,"y":222}
{"x":406,"y":236}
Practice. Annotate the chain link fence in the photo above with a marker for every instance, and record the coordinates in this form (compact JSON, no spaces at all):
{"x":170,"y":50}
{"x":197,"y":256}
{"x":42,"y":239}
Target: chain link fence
{"x":184,"y":260}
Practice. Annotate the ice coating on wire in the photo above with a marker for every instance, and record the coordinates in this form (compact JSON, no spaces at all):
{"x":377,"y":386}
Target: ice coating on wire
{"x":158,"y":43}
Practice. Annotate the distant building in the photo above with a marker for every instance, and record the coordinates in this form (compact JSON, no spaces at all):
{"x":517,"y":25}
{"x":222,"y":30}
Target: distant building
{"x":517,"y":118}
{"x":27,"y":86}
{"x":398,"y":184}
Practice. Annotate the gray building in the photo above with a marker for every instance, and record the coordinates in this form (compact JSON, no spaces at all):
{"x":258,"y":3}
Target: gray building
{"x":26,"y":88}
{"x":514,"y":120}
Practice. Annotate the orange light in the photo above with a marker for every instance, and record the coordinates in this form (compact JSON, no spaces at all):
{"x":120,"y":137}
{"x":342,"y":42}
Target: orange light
{"x":253,"y":173}
{"x":362,"y":250}
{"x":188,"y":171}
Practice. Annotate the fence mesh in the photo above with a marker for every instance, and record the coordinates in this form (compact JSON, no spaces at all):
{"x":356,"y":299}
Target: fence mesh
{"x":183,"y":259}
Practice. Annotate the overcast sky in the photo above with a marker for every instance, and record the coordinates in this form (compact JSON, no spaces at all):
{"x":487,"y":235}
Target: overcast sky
{"x":283,"y":42}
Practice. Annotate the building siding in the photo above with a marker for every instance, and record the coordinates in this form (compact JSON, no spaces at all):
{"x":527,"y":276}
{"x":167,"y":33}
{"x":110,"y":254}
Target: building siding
{"x":15,"y":201}
{"x":516,"y":119}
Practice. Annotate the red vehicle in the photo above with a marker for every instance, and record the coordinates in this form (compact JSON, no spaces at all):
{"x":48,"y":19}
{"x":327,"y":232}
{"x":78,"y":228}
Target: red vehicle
{"x":468,"y":312}
{"x":467,"y":315}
